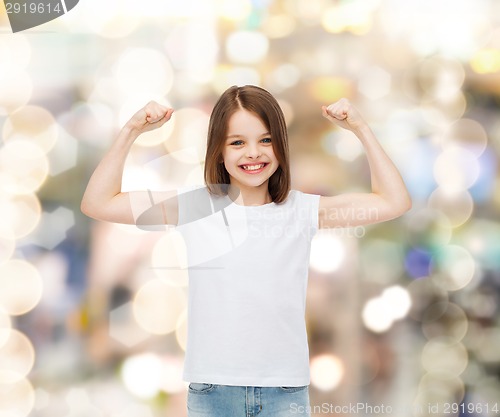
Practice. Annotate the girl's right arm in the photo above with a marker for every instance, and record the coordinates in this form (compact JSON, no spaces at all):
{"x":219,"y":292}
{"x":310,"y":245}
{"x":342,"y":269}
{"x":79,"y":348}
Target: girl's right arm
{"x":103,"y":198}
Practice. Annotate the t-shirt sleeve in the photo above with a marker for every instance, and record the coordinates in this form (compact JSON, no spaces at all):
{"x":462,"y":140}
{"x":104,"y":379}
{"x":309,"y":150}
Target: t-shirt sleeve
{"x":309,"y":205}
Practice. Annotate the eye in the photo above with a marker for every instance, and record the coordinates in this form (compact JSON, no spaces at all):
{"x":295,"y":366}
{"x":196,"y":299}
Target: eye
{"x":266,"y":140}
{"x":237,"y":143}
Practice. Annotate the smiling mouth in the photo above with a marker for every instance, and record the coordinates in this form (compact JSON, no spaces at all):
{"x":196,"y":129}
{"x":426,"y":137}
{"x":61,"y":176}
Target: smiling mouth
{"x":254,"y":167}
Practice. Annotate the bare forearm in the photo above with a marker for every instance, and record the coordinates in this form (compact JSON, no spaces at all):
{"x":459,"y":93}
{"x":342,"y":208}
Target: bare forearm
{"x":386,"y":180}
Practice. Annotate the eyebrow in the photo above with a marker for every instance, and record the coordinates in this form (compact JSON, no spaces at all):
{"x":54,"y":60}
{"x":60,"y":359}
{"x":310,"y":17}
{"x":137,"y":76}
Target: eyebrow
{"x":242,"y":136}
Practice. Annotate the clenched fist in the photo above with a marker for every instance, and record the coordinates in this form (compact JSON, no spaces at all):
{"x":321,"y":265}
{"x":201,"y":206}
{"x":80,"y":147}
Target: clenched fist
{"x":344,"y":114}
{"x":152,"y":116}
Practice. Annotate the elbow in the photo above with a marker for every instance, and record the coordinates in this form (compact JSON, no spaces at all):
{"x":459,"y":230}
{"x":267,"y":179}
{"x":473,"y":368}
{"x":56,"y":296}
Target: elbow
{"x":87,"y":209}
{"x":405,"y":205}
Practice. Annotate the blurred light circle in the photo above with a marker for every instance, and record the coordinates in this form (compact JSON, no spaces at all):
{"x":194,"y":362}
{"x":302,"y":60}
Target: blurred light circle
{"x":447,"y":109}
{"x":23,"y":167}
{"x":21,"y":214}
{"x":424,"y":293}
{"x":169,"y":259}
{"x":456,"y":169}
{"x":142,"y":375}
{"x":488,"y":351}
{"x":330,"y":89}
{"x":445,"y":319}
{"x":17,"y":357}
{"x":7,"y":242}
{"x":398,"y":301}
{"x":285,"y":76}
{"x":377,"y":316}
{"x":114,"y":19}
{"x":235,"y":10}
{"x":17,"y":399}
{"x":342,"y":143}
{"x":374,"y":83}
{"x":229,"y":75}
{"x":246,"y":47}
{"x":157,"y":306}
{"x":428,"y":228}
{"x":486,"y":61}
{"x":143,"y":71}
{"x":417,"y":262}
{"x":279,"y":26}
{"x":16,"y":87}
{"x":153,"y":137}
{"x":441,"y":78}
{"x":288,"y":111}
{"x":15,"y":50}
{"x":453,"y":267}
{"x":468,"y":134}
{"x":171,"y":381}
{"x":190,"y":131}
{"x":21,"y":286}
{"x":444,"y":385}
{"x":5,"y":326}
{"x":327,"y":252}
{"x":457,"y":206}
{"x":32,"y":123}
{"x":444,"y":355}
{"x":327,"y":372}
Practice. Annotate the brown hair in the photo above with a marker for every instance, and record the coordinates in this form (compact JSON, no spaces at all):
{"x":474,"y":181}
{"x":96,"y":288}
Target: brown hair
{"x":266,"y":108}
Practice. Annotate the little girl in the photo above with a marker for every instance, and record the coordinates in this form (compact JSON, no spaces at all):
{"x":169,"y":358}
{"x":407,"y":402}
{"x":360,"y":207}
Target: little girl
{"x":248,"y":240}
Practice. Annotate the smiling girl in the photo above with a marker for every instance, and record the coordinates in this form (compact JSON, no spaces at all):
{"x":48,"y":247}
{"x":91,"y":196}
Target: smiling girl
{"x":248,"y":239}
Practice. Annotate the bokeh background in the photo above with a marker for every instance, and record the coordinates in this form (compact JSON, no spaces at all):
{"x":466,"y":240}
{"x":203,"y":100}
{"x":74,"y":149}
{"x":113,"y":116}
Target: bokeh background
{"x":402,"y":316}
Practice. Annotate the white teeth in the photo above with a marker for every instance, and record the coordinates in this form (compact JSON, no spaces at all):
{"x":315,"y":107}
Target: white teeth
{"x":252,"y":167}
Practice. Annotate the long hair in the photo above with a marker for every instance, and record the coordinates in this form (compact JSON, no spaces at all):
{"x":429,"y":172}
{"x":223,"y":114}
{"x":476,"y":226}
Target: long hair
{"x":261,"y":103}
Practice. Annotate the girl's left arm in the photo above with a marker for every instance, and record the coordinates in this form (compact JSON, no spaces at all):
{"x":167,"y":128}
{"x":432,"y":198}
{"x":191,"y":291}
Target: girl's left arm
{"x":389,"y":197}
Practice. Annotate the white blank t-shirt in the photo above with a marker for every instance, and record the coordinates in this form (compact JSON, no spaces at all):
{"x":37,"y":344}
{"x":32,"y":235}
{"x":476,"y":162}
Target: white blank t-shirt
{"x":248,"y":269}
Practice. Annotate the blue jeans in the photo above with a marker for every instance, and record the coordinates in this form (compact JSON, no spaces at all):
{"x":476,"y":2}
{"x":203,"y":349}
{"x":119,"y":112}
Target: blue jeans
{"x":213,"y":400}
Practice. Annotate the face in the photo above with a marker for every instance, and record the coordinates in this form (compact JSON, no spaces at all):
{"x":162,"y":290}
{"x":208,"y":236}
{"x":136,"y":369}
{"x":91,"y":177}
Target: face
{"x":248,"y":151}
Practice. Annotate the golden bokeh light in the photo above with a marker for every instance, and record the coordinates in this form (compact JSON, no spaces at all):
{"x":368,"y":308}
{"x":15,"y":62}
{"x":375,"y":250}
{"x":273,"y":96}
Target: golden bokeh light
{"x":279,"y":26}
{"x":234,"y":10}
{"x":486,"y":61}
{"x":445,"y":319}
{"x":429,"y":228}
{"x":190,"y":131}
{"x":468,"y":134}
{"x":456,"y":206}
{"x":453,"y":267}
{"x":246,"y":47}
{"x":21,"y":286}
{"x":18,"y":399}
{"x":5,"y":326}
{"x":157,"y":306}
{"x":23,"y":167}
{"x":143,"y":71}
{"x":444,"y":355}
{"x":21,"y":214}
{"x":327,"y":372}
{"x":32,"y":123}
{"x":169,"y":259}
{"x":16,"y":87}
{"x":17,"y":357}
{"x":327,"y":251}
{"x":456,"y":169}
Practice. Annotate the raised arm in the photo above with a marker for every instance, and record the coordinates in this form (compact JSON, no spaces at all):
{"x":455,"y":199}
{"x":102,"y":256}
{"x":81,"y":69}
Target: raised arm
{"x":103,"y":198}
{"x":388,"y":198}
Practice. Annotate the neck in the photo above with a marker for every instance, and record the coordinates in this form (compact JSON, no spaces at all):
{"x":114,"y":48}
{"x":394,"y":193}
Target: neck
{"x":254,"y":196}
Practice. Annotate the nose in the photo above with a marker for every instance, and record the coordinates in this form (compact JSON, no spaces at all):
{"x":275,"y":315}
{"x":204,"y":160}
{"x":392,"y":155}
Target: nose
{"x":253,"y":151}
